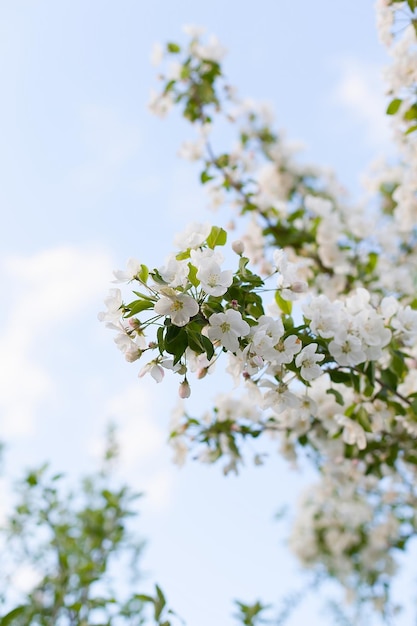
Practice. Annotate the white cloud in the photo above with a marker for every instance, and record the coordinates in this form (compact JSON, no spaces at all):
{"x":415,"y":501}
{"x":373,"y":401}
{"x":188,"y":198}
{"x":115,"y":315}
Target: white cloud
{"x":48,"y":289}
{"x":360,"y":91}
{"x":142,"y":441}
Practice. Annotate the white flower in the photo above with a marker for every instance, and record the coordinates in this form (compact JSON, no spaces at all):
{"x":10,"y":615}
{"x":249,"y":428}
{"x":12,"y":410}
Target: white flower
{"x":284,"y":351}
{"x":154,"y":369}
{"x":288,"y":276}
{"x":348,"y":351}
{"x":128,"y":346}
{"x":214,"y":281}
{"x":178,"y":306}
{"x":133,"y":267}
{"x":175,"y":272}
{"x":193,"y":236}
{"x":280,"y":398}
{"x":227,"y":328}
{"x":307,"y":362}
{"x":113,"y":303}
{"x":405,"y":324}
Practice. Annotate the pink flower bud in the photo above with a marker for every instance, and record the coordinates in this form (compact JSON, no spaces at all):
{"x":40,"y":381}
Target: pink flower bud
{"x":184,"y":390}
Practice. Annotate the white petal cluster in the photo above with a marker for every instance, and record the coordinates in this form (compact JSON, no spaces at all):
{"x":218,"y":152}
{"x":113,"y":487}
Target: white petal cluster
{"x":357,"y":331}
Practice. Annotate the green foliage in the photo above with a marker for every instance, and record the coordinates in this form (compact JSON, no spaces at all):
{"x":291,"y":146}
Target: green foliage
{"x":74,"y":539}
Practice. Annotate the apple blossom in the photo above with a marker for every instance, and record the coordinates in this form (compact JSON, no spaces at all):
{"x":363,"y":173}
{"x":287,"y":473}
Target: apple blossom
{"x":227,"y":328}
{"x":178,"y":306}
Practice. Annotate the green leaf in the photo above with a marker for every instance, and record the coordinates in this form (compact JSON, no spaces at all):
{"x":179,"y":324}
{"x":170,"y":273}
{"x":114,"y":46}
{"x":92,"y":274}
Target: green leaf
{"x":160,"y":339}
{"x":393,"y":106}
{"x":217,"y":237}
{"x":411,"y":129}
{"x":337,"y":395}
{"x":340,"y":377}
{"x":176,"y":341}
{"x":174,"y":48}
{"x":284,"y":305}
{"x":389,"y":378}
{"x":8,"y":619}
{"x":363,"y":418}
{"x":411,"y":114}
{"x":137,"y":306}
{"x":192,"y":275}
{"x":183,"y":255}
{"x":205,"y":177}
{"x":143,"y":273}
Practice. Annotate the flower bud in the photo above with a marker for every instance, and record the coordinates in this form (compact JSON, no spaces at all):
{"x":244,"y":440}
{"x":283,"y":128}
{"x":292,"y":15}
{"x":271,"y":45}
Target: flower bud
{"x":133,"y":355}
{"x":238,"y":246}
{"x":300,"y":286}
{"x":184,"y":390}
{"x":134,"y":323}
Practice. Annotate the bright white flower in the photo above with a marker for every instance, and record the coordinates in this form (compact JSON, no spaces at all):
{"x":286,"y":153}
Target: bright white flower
{"x":193,"y":236}
{"x":113,"y":303}
{"x":389,"y":306}
{"x":405,"y":324}
{"x":279,"y":398}
{"x":284,"y":351}
{"x":307,"y":362}
{"x":175,"y":272}
{"x":289,"y":281}
{"x":129,"y":347}
{"x":178,"y":306}
{"x":213,"y":280}
{"x":199,"y":256}
{"x":265,"y":336}
{"x":348,"y":352}
{"x":133,"y":267}
{"x":154,"y":369}
{"x":227,"y":328}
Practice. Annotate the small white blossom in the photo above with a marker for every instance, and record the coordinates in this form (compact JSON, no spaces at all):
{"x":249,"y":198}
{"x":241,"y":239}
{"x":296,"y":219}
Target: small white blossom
{"x":307,"y":362}
{"x":193,"y":236}
{"x":213,"y":280}
{"x":227,"y":328}
{"x":133,"y":267}
{"x":113,"y":303}
{"x":178,"y":306}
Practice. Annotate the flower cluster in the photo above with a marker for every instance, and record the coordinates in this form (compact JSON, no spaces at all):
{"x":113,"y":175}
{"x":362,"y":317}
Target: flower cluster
{"x":327,"y":365}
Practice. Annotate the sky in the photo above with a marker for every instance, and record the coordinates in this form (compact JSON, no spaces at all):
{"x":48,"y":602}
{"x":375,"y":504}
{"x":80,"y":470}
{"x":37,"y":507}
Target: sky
{"x":88,"y":179}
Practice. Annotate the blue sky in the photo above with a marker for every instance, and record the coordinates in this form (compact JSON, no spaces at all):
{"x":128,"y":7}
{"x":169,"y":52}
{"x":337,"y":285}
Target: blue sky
{"x":90,"y":178}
